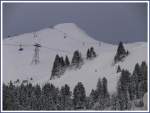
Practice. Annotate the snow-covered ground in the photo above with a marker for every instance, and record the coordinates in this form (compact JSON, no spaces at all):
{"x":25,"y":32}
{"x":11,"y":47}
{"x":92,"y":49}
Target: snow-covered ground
{"x":64,"y":39}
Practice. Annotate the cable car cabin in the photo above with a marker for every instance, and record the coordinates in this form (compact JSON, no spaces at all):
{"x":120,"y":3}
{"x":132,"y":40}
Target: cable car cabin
{"x":20,"y":48}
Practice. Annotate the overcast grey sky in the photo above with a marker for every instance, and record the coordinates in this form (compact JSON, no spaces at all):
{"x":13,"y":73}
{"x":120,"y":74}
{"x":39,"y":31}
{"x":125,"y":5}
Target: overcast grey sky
{"x":111,"y":22}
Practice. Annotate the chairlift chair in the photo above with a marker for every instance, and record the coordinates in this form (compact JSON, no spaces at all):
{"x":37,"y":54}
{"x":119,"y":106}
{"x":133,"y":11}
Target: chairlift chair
{"x":20,"y":48}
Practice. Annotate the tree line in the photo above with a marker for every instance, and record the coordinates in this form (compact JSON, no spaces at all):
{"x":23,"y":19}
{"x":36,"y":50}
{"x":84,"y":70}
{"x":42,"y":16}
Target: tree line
{"x":130,"y":87}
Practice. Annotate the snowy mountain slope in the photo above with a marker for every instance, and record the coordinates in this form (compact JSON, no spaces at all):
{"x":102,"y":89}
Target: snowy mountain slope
{"x":103,"y":66}
{"x":53,"y":41}
{"x":64,"y":39}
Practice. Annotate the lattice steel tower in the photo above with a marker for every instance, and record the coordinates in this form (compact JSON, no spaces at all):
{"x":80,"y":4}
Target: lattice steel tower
{"x":36,"y":59}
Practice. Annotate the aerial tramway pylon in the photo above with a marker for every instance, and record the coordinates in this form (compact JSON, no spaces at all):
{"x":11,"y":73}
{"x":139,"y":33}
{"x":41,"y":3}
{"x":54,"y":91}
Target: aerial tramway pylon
{"x":36,"y":59}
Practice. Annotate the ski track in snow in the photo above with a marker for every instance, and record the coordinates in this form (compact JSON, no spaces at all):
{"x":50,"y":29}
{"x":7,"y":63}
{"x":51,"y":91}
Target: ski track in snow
{"x":67,"y":37}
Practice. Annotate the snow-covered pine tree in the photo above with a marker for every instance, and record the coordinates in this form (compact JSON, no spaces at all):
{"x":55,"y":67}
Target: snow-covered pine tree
{"x":88,"y":55}
{"x":115,"y":105}
{"x":118,"y":69}
{"x":127,"y":52}
{"x":125,"y":79}
{"x":9,"y":102}
{"x":79,"y":96}
{"x":140,"y":79}
{"x":102,"y":95}
{"x":65,"y":95}
{"x":5,"y":97}
{"x":134,"y":82}
{"x":37,"y":93}
{"x":92,"y":99}
{"x":123,"y":100}
{"x":105,"y":89}
{"x":67,"y":62}
{"x":56,"y":66}
{"x":29,"y":96}
{"x":94,"y":95}
{"x":98,"y":105}
{"x":122,"y":90}
{"x":56,"y":70}
{"x":62,"y":63}
{"x":144,"y":73}
{"x":77,"y":59}
{"x":99,"y":88}
{"x":49,"y":97}
{"x":121,"y":53}
{"x":121,"y":50}
{"x":47,"y":88}
{"x":137,"y":77}
{"x":92,"y":52}
{"x":23,"y":97}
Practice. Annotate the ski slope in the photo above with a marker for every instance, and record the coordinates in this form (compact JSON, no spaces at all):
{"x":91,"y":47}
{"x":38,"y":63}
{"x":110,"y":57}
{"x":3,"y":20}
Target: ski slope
{"x":64,"y":39}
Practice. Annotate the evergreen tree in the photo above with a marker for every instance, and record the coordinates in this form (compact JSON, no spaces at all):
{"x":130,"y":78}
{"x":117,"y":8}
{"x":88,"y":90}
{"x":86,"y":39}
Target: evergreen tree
{"x":37,"y":94}
{"x":123,"y":99}
{"x":94,"y":95}
{"x":92,"y":99}
{"x":77,"y":60}
{"x":66,"y":102}
{"x":105,"y":90}
{"x":29,"y":97}
{"x":37,"y":91}
{"x":101,"y":95}
{"x":115,"y":102}
{"x":99,"y":104}
{"x":122,"y":91}
{"x":34,"y":103}
{"x":9,"y":102}
{"x":23,"y":97}
{"x":144,"y":73}
{"x":124,"y":80}
{"x":127,"y":52}
{"x":118,"y":69}
{"x":5,"y":97}
{"x":62,"y":63}
{"x":88,"y":54}
{"x":79,"y":96}
{"x":92,"y":52}
{"x":48,"y":89}
{"x":99,"y":89}
{"x":140,"y":79}
{"x":136,"y":78}
{"x":56,"y":67}
{"x":49,"y":97}
{"x":47,"y":103}
{"x":67,"y":62}
{"x":121,"y":50}
{"x":121,"y":53}
{"x":133,"y":90}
